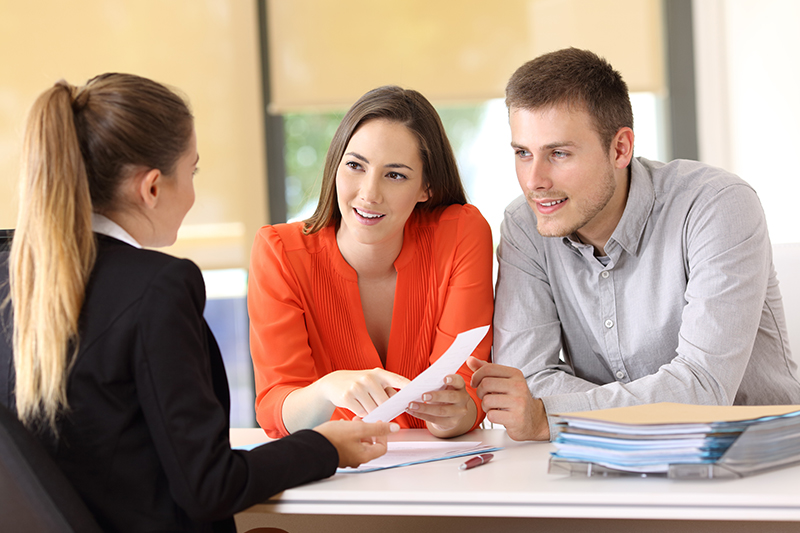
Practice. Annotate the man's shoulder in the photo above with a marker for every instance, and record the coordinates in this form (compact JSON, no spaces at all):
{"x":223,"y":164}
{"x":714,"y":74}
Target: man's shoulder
{"x":684,"y":176}
{"x":520,"y":213}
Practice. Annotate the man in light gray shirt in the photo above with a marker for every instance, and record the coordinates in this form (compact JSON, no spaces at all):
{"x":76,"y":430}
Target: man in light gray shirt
{"x":623,"y":281}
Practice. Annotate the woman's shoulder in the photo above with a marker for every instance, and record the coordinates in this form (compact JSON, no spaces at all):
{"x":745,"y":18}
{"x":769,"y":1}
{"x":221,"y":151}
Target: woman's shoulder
{"x":128,"y":271}
{"x":290,"y":237}
{"x":115,"y":255}
{"x":454,"y":217}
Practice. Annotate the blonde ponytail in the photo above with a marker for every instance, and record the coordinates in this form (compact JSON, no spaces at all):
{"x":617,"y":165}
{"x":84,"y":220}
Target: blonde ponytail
{"x":52,"y":256}
{"x":80,"y":145}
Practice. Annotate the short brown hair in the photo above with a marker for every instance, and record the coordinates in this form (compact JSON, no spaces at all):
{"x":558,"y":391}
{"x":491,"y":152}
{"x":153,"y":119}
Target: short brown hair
{"x":574,"y":77}
{"x":414,"y":111}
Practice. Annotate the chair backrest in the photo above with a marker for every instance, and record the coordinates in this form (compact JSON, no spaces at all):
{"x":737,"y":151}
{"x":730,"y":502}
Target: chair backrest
{"x":786,"y":258}
{"x":36,"y":495}
{"x":5,"y":239}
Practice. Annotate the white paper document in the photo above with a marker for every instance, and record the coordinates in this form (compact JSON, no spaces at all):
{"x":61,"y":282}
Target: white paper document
{"x":432,"y":379}
{"x":405,"y":453}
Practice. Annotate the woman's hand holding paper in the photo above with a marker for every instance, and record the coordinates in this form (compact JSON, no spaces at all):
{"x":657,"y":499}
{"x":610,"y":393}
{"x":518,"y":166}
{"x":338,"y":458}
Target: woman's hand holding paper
{"x":360,"y":391}
{"x":448,"y":412}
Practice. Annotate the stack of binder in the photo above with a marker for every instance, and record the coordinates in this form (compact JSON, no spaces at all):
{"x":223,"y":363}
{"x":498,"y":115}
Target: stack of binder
{"x":678,"y":440}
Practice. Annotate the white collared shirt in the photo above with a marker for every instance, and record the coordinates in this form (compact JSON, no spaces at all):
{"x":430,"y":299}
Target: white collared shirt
{"x":106,"y":226}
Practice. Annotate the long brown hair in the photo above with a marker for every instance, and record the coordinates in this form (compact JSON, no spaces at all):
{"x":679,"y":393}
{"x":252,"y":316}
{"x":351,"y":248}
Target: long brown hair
{"x":80,"y":144}
{"x":407,"y":107}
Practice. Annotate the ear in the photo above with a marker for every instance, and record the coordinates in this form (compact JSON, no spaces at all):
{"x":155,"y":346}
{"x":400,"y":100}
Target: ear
{"x":425,"y":195}
{"x":149,"y":187}
{"x":621,"y":150}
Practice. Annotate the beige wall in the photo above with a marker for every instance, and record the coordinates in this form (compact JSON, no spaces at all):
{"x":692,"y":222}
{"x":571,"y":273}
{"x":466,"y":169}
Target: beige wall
{"x":325,"y":54}
{"x":207,"y":49}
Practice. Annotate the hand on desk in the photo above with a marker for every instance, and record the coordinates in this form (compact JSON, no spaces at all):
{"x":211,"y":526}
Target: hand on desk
{"x":448,"y":412}
{"x":356,"y":441}
{"x":506,"y":400}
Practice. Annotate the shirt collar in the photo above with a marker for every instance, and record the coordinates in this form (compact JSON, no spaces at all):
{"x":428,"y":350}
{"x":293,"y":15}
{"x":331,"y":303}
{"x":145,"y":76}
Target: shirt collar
{"x":639,"y":206}
{"x":106,"y":226}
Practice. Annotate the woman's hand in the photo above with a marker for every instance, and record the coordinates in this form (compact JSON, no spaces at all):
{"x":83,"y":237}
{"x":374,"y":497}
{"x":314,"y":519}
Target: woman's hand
{"x":448,"y":412}
{"x":360,"y":391}
{"x":356,"y":441}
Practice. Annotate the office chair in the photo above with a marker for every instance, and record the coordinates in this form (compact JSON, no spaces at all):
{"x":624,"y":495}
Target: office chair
{"x":36,"y":495}
{"x":6,"y":236}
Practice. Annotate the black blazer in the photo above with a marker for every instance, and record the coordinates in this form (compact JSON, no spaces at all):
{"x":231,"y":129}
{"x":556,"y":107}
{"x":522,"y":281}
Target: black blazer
{"x":145,"y":439}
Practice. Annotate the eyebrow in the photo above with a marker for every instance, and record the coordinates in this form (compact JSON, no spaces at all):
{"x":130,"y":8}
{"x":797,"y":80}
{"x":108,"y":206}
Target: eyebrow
{"x":390,"y":165}
{"x":549,"y":146}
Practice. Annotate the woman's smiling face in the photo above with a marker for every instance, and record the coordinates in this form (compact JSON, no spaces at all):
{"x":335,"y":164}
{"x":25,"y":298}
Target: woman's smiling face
{"x":379,"y":181}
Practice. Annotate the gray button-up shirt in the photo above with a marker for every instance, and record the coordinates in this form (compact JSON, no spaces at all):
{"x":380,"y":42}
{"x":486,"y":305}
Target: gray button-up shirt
{"x":686,"y":307}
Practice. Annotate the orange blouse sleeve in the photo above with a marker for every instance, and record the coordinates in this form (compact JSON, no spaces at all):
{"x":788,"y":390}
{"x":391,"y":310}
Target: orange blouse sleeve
{"x":279,"y":344}
{"x":469,"y":302}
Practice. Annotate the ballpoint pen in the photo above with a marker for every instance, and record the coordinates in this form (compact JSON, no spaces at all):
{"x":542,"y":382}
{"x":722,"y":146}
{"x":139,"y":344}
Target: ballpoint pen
{"x":478,"y":460}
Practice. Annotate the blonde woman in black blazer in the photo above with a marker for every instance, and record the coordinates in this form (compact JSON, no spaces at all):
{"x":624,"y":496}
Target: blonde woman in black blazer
{"x":109,"y":360}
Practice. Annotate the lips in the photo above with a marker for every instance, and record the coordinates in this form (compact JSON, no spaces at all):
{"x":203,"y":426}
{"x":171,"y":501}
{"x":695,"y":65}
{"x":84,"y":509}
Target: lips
{"x":547,"y":207}
{"x":367,"y":214}
{"x":367,"y":218}
{"x":551,"y":204}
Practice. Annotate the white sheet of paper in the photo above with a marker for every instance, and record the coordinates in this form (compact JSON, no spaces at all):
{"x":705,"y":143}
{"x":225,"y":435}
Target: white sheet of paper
{"x":406,"y":453}
{"x":432,"y":379}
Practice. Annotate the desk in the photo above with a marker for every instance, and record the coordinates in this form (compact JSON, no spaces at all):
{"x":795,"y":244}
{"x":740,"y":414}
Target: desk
{"x":515,"y":493}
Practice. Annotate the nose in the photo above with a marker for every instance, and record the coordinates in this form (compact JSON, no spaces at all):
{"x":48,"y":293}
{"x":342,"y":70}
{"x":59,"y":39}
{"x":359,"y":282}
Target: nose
{"x":370,"y":191}
{"x":536,"y":175}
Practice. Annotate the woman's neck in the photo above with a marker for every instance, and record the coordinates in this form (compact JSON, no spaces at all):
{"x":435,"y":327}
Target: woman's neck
{"x":370,"y":261}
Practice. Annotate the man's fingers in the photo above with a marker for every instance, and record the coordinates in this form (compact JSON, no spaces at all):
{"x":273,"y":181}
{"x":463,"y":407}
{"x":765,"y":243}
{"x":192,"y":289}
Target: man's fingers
{"x":492,"y":370}
{"x":473,"y":363}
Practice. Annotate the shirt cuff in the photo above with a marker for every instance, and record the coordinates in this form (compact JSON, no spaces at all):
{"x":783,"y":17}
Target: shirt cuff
{"x":563,"y":403}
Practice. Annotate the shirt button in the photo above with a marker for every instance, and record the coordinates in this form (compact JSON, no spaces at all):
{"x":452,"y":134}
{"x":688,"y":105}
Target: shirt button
{"x":604,"y":273}
{"x":620,"y":374}
{"x":609,"y":323}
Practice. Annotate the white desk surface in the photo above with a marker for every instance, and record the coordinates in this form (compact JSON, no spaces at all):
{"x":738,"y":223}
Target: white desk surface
{"x":516,"y":484}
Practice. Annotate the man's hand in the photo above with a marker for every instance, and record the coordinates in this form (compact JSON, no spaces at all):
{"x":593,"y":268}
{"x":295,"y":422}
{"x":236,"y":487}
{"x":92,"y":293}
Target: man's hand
{"x":506,"y":400}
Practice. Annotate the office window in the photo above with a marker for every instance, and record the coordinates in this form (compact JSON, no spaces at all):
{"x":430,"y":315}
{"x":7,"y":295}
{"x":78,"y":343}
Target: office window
{"x":226,"y":314}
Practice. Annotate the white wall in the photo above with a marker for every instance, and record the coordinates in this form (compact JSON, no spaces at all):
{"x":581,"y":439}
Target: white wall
{"x":747,"y":58}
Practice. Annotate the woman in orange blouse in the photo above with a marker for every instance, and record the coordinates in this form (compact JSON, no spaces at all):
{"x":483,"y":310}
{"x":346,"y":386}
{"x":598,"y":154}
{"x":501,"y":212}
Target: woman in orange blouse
{"x":354,"y":302}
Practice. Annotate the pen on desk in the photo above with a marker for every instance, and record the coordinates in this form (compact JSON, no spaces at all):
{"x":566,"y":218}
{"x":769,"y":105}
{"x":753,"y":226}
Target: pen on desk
{"x":478,"y":460}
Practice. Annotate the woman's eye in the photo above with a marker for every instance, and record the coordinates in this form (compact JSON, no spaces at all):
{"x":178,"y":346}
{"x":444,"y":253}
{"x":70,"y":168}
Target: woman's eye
{"x":396,"y":176}
{"x":353,"y":165}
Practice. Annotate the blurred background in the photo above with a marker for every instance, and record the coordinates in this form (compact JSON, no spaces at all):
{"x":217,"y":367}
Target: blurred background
{"x":269,"y":80}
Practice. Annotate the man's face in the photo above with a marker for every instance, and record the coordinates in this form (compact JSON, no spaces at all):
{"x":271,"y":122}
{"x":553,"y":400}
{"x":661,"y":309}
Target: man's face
{"x":568,"y":177}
